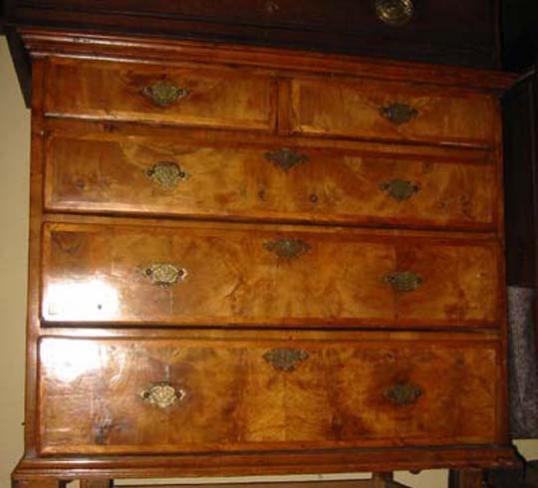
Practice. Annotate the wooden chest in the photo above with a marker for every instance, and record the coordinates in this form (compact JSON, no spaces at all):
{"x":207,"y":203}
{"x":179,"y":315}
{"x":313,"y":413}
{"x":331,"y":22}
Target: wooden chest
{"x":245,"y":260}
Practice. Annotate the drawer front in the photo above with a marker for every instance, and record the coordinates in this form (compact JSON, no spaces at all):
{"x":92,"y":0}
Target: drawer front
{"x":392,"y":111}
{"x":209,"y":274}
{"x":141,"y":174}
{"x":200,"y":96}
{"x":127,"y":396}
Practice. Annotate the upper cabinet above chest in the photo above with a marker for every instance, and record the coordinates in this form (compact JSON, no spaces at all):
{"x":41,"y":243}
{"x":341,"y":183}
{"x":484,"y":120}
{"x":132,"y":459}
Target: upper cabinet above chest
{"x":462,"y":32}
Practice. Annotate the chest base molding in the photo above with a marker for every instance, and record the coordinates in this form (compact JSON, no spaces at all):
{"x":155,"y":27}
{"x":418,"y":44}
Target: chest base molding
{"x":273,"y":463}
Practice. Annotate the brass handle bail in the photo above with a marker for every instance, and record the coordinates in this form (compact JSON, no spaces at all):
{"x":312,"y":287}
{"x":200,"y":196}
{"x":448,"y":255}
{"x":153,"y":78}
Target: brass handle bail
{"x":402,"y":394}
{"x":394,"y":12}
{"x":162,"y":395}
{"x":399,"y":190}
{"x":287,"y":248}
{"x":398,"y":113}
{"x":164,"y":93}
{"x":404,"y":281}
{"x":286,"y":158}
{"x":166,"y":174}
{"x":285,"y":359}
{"x":164,"y":274}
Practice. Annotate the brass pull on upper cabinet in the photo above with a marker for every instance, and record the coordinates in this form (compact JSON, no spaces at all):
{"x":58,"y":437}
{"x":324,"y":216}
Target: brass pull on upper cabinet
{"x":394,"y":12}
{"x":166,"y":174}
{"x":162,"y":395}
{"x":398,"y":113}
{"x":399,"y":190}
{"x":164,"y":93}
{"x":404,"y":281}
{"x":285,"y":158}
{"x":164,"y":274}
{"x":271,"y":7}
{"x":403,"y":393}
{"x":285,"y":359}
{"x":287,"y":248}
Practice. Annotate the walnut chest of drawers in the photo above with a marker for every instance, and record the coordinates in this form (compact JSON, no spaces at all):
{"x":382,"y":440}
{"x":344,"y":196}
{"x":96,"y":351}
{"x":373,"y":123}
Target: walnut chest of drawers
{"x":247,"y":260}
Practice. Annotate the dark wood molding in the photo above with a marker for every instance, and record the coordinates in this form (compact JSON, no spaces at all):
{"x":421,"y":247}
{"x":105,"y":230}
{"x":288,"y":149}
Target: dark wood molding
{"x":21,"y":61}
{"x":69,"y":43}
{"x":519,"y":34}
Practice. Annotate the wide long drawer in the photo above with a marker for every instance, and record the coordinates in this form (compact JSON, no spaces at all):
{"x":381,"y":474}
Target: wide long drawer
{"x":201,"y":96}
{"x":102,"y":396}
{"x":381,"y":110}
{"x":127,"y":171}
{"x":218,"y":274}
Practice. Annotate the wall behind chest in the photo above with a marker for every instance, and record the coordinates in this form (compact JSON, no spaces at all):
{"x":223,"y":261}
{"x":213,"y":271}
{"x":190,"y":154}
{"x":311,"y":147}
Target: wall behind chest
{"x":14,"y":196}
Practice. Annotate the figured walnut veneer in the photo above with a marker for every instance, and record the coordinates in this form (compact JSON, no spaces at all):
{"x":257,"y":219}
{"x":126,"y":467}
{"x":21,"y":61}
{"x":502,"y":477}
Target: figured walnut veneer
{"x":254,"y":261}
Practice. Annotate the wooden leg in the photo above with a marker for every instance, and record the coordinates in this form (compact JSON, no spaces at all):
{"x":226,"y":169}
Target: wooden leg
{"x":379,"y":480}
{"x":466,"y":478}
{"x":385,"y":480}
{"x":96,"y":483}
{"x":39,"y":483}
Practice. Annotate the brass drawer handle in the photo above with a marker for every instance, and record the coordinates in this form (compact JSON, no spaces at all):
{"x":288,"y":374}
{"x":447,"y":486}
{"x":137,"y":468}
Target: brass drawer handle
{"x":285,"y":359}
{"x":394,"y":12}
{"x":162,"y":395}
{"x":398,"y":113}
{"x":164,"y":93}
{"x":166,"y":174}
{"x":164,"y":274}
{"x":287,"y":248}
{"x":404,"y":281}
{"x":403,"y":393}
{"x":285,"y":158}
{"x":271,"y":7}
{"x":399,"y":190}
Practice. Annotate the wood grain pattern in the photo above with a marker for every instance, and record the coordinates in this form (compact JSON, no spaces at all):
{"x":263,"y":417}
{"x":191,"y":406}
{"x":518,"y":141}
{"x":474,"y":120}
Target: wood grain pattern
{"x":216,"y":97}
{"x":107,"y":172}
{"x":96,"y":230}
{"x":241,"y":276}
{"x":235,"y":400}
{"x":352,"y":109}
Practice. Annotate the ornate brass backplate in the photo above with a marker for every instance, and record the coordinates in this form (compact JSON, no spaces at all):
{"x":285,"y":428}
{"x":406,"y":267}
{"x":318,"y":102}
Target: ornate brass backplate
{"x":162,"y":395}
{"x":403,"y":393}
{"x":399,"y":190}
{"x":166,"y":174}
{"x":286,"y":159}
{"x":394,"y":12}
{"x":164,"y":274}
{"x":398,"y":113}
{"x":164,"y":93}
{"x":404,"y":281}
{"x":285,"y":359}
{"x":287,"y":248}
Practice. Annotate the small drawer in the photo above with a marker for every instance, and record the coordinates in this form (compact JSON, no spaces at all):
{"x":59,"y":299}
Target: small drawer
{"x":218,"y":274}
{"x":128,"y":396}
{"x":135,"y":173}
{"x":379,"y":110}
{"x":203,"y":96}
